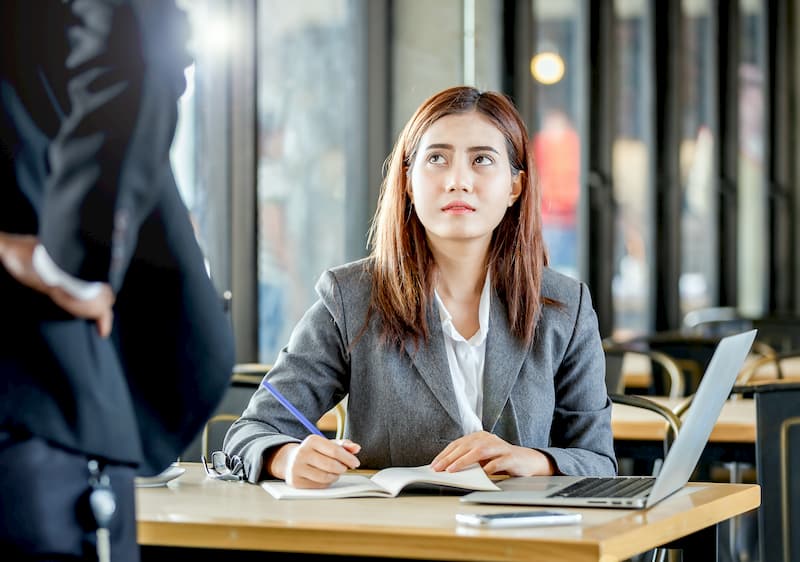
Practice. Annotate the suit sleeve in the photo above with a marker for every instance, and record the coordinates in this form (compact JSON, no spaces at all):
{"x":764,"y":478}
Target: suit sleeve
{"x":112,"y":146}
{"x":582,"y":440}
{"x":312,"y":372}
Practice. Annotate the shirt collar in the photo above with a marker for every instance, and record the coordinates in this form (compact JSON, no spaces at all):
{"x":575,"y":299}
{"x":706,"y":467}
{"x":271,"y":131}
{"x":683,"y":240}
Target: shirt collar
{"x":483,"y":316}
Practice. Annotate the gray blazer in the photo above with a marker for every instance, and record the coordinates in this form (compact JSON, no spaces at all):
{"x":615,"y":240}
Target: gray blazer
{"x":401,"y":406}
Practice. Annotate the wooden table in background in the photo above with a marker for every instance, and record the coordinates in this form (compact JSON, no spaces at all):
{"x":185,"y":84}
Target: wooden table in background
{"x":195,"y":512}
{"x":637,"y":377}
{"x":769,"y":374}
{"x":736,"y":423}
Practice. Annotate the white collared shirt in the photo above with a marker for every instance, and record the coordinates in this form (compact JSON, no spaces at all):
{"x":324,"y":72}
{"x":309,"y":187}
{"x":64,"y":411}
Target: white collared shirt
{"x":466,"y":359}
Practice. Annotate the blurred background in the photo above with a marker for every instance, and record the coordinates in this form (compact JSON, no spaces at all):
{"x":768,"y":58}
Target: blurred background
{"x":665,"y":136}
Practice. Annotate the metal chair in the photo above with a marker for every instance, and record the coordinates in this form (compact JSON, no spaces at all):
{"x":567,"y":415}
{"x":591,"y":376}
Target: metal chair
{"x":777,"y":331}
{"x":674,"y":426}
{"x":692,"y":354}
{"x":615,"y":376}
{"x":672,"y":420}
{"x":714,"y":321}
{"x":775,"y":366}
{"x":777,"y":451}
{"x":340,"y":410}
{"x":228,"y":419}
{"x":778,"y":448}
{"x":245,"y":380}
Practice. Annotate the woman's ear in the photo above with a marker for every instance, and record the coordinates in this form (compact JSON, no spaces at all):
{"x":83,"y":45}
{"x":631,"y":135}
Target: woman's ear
{"x":516,"y":187}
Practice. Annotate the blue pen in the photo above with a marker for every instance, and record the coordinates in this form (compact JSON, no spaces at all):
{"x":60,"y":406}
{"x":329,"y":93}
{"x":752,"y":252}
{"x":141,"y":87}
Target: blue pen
{"x":294,"y":411}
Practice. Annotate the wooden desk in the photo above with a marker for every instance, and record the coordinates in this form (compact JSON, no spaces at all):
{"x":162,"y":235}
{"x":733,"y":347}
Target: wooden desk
{"x":197,"y":512}
{"x":736,"y":423}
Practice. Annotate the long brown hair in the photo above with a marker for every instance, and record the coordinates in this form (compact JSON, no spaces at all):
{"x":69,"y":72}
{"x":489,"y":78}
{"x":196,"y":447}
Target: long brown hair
{"x":402,"y":285}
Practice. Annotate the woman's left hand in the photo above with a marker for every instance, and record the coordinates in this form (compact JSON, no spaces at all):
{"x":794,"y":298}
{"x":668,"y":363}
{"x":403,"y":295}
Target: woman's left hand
{"x":494,"y":455}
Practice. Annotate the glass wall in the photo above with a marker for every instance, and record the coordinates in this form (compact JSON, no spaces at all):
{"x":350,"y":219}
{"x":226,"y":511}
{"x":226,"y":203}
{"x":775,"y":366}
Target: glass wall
{"x":752,"y":218}
{"x":796,"y":234}
{"x":201,"y":145}
{"x":557,"y":72}
{"x":310,"y":133}
{"x":428,"y":49}
{"x":182,"y":153}
{"x":314,"y":188}
{"x":631,"y":172}
{"x":698,"y":279}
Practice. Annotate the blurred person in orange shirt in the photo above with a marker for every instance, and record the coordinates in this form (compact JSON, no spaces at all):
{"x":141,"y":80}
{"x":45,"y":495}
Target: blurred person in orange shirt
{"x":556,"y":155}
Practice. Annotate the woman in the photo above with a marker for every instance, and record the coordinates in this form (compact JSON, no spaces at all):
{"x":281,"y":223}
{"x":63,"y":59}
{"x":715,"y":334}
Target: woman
{"x":454,"y":341}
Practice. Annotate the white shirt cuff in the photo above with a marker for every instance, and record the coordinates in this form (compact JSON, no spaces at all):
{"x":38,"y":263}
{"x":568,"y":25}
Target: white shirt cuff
{"x":54,"y":276}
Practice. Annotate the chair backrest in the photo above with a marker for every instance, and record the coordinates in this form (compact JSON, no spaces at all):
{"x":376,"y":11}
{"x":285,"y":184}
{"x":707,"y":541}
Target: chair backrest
{"x":673,"y":421}
{"x":691,"y":353}
{"x":245,"y":380}
{"x":780,"y":331}
{"x":777,"y":458}
{"x":340,"y":411}
{"x":214,"y":432}
{"x":666,"y":367}
{"x":714,"y":321}
{"x":615,"y":382}
{"x":772,"y":367}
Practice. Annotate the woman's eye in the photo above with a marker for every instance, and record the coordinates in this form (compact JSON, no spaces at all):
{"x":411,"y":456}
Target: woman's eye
{"x":436,"y":159}
{"x":483,"y":160}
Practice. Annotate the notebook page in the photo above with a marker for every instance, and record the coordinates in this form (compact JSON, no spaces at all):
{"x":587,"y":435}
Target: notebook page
{"x":396,"y":478}
{"x":347,"y":486}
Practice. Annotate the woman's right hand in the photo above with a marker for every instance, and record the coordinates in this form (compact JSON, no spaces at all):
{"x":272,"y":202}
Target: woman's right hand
{"x":317,"y":462}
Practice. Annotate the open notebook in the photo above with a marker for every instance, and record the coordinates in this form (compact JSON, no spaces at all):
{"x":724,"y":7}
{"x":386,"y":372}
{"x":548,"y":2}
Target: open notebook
{"x":386,"y":483}
{"x":641,"y":492}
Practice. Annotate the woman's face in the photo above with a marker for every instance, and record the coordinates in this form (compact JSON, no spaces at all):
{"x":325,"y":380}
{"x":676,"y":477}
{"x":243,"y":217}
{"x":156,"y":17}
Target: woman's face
{"x":461,"y":179}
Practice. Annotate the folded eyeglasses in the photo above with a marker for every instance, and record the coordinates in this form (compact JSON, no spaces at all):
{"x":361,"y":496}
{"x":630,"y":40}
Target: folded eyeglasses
{"x":224,"y":467}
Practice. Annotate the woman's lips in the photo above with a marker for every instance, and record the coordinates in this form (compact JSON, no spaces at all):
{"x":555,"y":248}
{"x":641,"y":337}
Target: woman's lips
{"x":458,"y":208}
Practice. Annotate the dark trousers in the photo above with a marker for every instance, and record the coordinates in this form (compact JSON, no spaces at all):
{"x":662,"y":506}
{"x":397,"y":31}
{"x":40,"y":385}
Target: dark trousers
{"x":44,"y":504}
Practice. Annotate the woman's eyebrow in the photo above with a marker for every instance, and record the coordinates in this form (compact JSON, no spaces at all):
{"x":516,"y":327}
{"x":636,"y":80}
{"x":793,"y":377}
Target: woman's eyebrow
{"x":439,"y":145}
{"x":446,"y":146}
{"x":486,"y":148}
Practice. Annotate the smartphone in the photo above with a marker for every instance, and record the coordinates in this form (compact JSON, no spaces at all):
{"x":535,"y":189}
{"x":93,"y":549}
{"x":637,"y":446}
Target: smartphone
{"x":518,"y":518}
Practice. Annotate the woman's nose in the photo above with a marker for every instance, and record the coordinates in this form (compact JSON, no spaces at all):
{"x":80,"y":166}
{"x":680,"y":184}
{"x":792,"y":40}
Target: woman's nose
{"x":460,"y":178}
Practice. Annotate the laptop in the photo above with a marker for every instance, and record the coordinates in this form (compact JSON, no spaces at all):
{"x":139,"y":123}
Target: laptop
{"x":632,"y":492}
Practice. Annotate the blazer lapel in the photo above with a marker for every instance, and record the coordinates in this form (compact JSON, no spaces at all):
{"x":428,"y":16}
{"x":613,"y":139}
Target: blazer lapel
{"x":504,"y":357}
{"x":430,"y":359}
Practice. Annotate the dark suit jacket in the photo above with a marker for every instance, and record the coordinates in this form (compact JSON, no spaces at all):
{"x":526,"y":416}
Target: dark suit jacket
{"x":401,"y":407}
{"x":89,"y":95}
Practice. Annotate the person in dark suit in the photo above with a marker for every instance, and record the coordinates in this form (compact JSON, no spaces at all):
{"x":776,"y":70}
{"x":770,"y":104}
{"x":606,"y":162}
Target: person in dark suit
{"x":453,"y":341}
{"x":114,"y":346}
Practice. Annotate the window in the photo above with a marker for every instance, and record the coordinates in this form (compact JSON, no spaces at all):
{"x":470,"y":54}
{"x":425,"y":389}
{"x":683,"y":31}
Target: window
{"x":631,"y":172}
{"x":752,"y":240}
{"x":200,"y":147}
{"x":429,"y":44}
{"x":698,"y":279}
{"x":556,"y":70}
{"x":311,"y":132}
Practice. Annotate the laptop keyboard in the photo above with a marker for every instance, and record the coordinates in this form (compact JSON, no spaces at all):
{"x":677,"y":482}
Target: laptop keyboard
{"x":606,"y":488}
